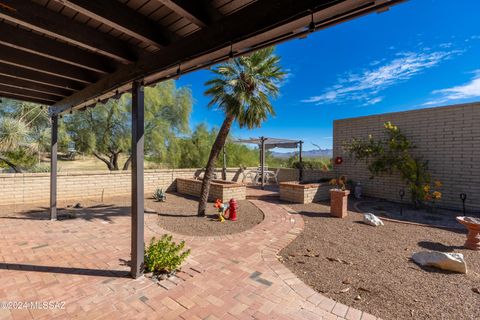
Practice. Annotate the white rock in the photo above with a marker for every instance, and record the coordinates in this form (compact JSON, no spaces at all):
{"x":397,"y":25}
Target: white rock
{"x":371,"y":219}
{"x":446,"y":261}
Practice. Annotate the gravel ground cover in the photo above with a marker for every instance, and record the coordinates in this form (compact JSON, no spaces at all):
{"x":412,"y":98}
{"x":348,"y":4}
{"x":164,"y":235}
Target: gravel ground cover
{"x":179,"y":214}
{"x":369,"y":268}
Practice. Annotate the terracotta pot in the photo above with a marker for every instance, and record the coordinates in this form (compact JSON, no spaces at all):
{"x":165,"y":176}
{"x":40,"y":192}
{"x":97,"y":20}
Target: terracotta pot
{"x":338,"y":203}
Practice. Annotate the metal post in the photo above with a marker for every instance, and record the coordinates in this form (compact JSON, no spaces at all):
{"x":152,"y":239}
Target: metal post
{"x":53,"y":168}
{"x":137,"y":180}
{"x":224,"y":169}
{"x":300,"y":147}
{"x":262,"y":163}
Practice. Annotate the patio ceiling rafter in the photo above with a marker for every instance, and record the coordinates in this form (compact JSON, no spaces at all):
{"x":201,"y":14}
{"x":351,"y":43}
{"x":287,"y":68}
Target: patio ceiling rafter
{"x":38,"y":18}
{"x":200,"y":12}
{"x":120,"y":17}
{"x":49,"y":48}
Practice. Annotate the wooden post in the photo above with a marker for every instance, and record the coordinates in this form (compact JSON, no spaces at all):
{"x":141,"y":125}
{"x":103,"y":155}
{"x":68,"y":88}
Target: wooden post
{"x":53,"y":168}
{"x":263,"y":163}
{"x":137,"y":249}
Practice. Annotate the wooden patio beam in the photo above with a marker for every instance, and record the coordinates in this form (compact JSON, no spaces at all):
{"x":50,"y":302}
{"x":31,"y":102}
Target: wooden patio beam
{"x":33,"y":86}
{"x":23,"y":59}
{"x":24,"y":98}
{"x":121,"y":17}
{"x":29,"y":93}
{"x":11,"y":71}
{"x":46,"y":47}
{"x":200,"y":12}
{"x":36,"y":17}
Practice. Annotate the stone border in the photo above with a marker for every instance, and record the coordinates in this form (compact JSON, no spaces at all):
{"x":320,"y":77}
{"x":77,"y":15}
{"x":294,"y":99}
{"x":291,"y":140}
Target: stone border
{"x":319,"y":303}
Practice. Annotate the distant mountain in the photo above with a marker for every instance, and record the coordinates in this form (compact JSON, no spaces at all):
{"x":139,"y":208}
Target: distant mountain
{"x":306,"y":154}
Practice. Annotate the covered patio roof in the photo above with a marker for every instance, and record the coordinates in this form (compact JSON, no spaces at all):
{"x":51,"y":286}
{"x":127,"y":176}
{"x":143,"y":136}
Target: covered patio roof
{"x":72,"y":54}
{"x":271,"y":143}
{"x":265,"y":143}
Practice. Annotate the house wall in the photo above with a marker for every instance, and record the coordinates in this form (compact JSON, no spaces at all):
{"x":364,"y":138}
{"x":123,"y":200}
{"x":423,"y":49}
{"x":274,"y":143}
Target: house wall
{"x":448,"y":137}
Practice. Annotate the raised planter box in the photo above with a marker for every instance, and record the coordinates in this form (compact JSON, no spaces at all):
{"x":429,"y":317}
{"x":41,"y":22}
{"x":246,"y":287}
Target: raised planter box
{"x":219,"y":189}
{"x":297,"y":192}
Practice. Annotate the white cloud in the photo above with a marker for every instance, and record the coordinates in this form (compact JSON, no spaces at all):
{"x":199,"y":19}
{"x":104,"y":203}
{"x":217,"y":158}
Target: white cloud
{"x":373,"y":101}
{"x":468,"y":90}
{"x":365,"y":86}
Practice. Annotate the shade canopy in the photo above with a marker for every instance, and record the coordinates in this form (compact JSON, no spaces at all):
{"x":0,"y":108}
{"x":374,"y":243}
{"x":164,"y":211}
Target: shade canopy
{"x":71,"y":54}
{"x":271,"y":143}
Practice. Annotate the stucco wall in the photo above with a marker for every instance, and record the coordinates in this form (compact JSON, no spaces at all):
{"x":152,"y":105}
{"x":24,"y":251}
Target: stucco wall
{"x":448,"y":137}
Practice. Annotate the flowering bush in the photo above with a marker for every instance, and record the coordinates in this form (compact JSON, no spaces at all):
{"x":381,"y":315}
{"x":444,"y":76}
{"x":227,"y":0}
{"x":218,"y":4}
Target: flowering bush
{"x":393,"y":154}
{"x":339,"y":183}
{"x":431,"y":194}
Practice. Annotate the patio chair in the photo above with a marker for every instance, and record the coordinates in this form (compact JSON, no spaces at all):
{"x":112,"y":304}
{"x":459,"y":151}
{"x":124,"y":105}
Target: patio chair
{"x":272,"y":175}
{"x":250,"y":174}
{"x":201,"y":173}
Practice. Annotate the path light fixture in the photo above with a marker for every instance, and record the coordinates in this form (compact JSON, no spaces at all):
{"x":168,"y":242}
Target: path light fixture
{"x":463,"y":197}
{"x":401,"y":193}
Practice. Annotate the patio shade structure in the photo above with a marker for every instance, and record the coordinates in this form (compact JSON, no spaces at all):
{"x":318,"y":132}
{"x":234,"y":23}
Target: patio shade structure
{"x":265,"y":143}
{"x":72,"y":54}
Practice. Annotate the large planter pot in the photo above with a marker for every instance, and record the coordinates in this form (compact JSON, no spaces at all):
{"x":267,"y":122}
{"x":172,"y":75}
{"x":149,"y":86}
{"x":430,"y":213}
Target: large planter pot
{"x":338,"y":203}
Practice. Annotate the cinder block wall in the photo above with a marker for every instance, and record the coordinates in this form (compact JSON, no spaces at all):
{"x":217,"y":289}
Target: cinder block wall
{"x":448,"y":137}
{"x":25,"y":188}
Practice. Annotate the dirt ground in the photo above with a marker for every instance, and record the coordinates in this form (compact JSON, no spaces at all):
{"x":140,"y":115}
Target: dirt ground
{"x":344,"y":259}
{"x":179,"y":214}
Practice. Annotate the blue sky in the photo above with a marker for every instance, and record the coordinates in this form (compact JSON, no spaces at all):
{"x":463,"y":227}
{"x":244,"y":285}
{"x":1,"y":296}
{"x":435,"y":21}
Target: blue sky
{"x":422,"y":53}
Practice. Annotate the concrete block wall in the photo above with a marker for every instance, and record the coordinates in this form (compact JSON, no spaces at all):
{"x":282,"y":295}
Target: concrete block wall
{"x":448,"y":137}
{"x":25,"y":188}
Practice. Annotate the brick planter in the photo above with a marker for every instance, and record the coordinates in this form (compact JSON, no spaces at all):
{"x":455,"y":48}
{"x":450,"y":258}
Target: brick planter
{"x":338,"y":203}
{"x":293,"y":191}
{"x":219,"y":189}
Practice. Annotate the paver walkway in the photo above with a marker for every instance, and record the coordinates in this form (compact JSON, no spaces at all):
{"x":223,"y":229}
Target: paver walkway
{"x":79,"y":262}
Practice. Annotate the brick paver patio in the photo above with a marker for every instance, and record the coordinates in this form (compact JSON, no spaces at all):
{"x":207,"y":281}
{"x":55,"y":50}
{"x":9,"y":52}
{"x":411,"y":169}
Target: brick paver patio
{"x":83,"y":263}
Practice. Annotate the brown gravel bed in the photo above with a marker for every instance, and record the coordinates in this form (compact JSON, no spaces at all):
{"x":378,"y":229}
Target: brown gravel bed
{"x":374,"y":264}
{"x":179,"y":214}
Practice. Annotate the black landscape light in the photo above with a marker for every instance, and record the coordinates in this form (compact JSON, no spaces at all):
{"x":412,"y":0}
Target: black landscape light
{"x":401,"y":193}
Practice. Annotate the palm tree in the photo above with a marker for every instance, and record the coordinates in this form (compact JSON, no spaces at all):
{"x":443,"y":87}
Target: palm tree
{"x":242,"y":89}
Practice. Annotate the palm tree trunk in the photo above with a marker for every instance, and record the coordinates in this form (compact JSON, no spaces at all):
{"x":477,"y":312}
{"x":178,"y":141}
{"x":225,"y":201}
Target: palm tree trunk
{"x":216,"y":149}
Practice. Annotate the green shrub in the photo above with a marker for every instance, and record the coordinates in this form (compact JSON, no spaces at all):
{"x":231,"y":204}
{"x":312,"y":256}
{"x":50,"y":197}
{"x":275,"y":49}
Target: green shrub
{"x":164,"y":255}
{"x":394,"y":154}
{"x":159,"y":195}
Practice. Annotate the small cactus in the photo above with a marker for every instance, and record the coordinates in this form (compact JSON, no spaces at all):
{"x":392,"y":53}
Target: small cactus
{"x":159,"y":195}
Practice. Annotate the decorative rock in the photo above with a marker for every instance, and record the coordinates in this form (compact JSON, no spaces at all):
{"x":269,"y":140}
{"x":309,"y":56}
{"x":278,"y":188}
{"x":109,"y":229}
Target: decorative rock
{"x":372,"y":220}
{"x":446,"y":261}
{"x":78,"y":205}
